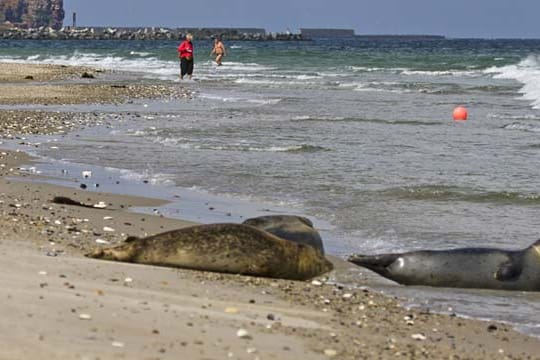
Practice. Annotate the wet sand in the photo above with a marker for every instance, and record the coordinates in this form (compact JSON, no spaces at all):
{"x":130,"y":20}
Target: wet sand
{"x":59,"y":304}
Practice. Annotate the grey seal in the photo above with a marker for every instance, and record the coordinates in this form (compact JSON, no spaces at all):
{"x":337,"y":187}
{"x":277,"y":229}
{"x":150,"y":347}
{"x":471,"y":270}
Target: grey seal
{"x":226,"y":248}
{"x":480,"y":268}
{"x":289,"y":227}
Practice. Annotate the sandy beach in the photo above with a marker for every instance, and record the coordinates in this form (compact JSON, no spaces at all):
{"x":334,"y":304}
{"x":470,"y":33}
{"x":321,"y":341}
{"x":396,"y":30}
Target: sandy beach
{"x":57,"y":304}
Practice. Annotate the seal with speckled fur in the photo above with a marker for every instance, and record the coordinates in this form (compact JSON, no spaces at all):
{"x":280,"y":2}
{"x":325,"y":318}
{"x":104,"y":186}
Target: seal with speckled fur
{"x":479,"y":268}
{"x":289,"y":227}
{"x":226,"y":248}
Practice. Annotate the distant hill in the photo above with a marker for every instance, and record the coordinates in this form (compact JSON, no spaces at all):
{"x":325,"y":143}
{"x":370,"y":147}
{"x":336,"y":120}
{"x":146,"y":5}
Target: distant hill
{"x":32,"y":13}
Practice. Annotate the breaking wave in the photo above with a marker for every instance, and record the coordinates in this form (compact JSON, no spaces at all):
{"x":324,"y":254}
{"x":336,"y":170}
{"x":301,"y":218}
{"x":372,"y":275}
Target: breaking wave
{"x":527,"y":72}
{"x":452,"y":193}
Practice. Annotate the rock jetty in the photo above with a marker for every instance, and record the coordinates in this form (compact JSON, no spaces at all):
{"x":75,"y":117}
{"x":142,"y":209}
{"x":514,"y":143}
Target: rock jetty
{"x":160,"y":33}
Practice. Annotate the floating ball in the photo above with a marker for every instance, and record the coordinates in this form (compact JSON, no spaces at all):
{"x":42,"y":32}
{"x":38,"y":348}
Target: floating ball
{"x":460,"y":114}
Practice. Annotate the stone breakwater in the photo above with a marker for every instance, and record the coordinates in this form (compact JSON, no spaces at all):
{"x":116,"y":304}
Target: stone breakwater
{"x":94,"y":33}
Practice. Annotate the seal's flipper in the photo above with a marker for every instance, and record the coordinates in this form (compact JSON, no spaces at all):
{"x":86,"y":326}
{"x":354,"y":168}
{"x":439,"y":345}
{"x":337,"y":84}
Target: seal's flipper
{"x":509,"y":271}
{"x":377,"y":263}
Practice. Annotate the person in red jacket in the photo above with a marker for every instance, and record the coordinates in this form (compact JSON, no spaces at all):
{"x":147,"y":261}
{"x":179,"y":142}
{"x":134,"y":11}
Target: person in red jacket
{"x":185,"y":53}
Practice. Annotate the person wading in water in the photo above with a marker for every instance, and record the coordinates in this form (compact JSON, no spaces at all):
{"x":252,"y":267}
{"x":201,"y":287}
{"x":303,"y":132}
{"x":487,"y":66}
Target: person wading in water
{"x":219,"y":51}
{"x":185,"y":53}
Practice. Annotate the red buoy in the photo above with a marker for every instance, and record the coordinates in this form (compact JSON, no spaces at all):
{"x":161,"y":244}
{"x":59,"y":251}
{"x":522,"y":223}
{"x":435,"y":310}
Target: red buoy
{"x":460,"y":114}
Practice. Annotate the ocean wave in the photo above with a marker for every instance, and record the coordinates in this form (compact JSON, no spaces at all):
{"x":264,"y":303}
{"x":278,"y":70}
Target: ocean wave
{"x":522,"y":127}
{"x":443,"y":73}
{"x":308,"y":118}
{"x":417,"y":72}
{"x":273,"y":82}
{"x":306,"y":149}
{"x":146,"y":175}
{"x":237,"y":99}
{"x":240,"y":146}
{"x":140,"y":53}
{"x":452,"y":193}
{"x":527,"y":72}
{"x":514,"y":117}
{"x":317,"y":118}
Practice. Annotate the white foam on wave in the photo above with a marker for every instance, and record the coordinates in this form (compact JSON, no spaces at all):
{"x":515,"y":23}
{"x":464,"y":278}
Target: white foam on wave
{"x":272,"y":82}
{"x":140,"y":53}
{"x":373,"y":87}
{"x":522,"y":127}
{"x":443,"y":73}
{"x":317,"y":118}
{"x":229,"y":66}
{"x":527,"y":72}
{"x":237,"y":99}
{"x":244,"y":146}
{"x":146,"y":175}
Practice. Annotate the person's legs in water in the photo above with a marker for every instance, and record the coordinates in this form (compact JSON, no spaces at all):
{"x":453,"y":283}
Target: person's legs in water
{"x":219,"y":59}
{"x":189,"y":68}
{"x":183,"y":68}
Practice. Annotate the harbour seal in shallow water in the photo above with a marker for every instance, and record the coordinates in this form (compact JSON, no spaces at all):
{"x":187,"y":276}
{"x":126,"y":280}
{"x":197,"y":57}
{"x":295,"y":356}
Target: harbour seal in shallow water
{"x":479,"y":268}
{"x":289,"y":227}
{"x":226,"y":248}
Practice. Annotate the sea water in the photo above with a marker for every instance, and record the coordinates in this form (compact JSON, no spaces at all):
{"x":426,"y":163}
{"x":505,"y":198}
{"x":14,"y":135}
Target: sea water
{"x":355,"y":133}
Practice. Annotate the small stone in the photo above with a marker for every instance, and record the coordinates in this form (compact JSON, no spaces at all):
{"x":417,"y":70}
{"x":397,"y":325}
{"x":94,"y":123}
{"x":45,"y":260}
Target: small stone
{"x":128,"y":280}
{"x":316,"y":283}
{"x":231,"y":310}
{"x":419,"y":337}
{"x":118,"y":344}
{"x":243,"y":334}
{"x":251,"y":350}
{"x":330,"y":352}
{"x":102,"y":242}
{"x":85,"y":317}
{"x":108,"y":229}
{"x":100,"y":205}
{"x":87,"y":75}
{"x":86,"y":174}
{"x":347,"y":296}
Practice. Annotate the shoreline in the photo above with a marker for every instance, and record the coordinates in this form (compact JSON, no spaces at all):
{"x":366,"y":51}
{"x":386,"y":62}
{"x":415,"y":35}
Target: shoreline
{"x":308,"y":319}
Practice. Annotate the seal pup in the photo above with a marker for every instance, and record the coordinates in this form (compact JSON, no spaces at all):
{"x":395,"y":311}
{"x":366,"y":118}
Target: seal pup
{"x":297,"y":229}
{"x":480,"y":268}
{"x":226,"y":248}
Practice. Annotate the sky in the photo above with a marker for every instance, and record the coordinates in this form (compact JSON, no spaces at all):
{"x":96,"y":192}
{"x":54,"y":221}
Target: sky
{"x":452,"y":18}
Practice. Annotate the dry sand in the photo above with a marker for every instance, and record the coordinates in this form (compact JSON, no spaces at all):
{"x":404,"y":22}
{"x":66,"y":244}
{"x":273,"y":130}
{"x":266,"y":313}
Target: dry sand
{"x":57,"y":304}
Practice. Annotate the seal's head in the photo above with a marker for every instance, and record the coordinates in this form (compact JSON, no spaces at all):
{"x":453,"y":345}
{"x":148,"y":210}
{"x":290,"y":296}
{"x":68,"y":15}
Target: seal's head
{"x":381,"y":264}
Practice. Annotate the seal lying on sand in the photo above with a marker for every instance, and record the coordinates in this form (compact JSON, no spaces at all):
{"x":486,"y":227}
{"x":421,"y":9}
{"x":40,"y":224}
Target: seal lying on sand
{"x":464,"y":268}
{"x":227,"y":248}
{"x":289,"y":227}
